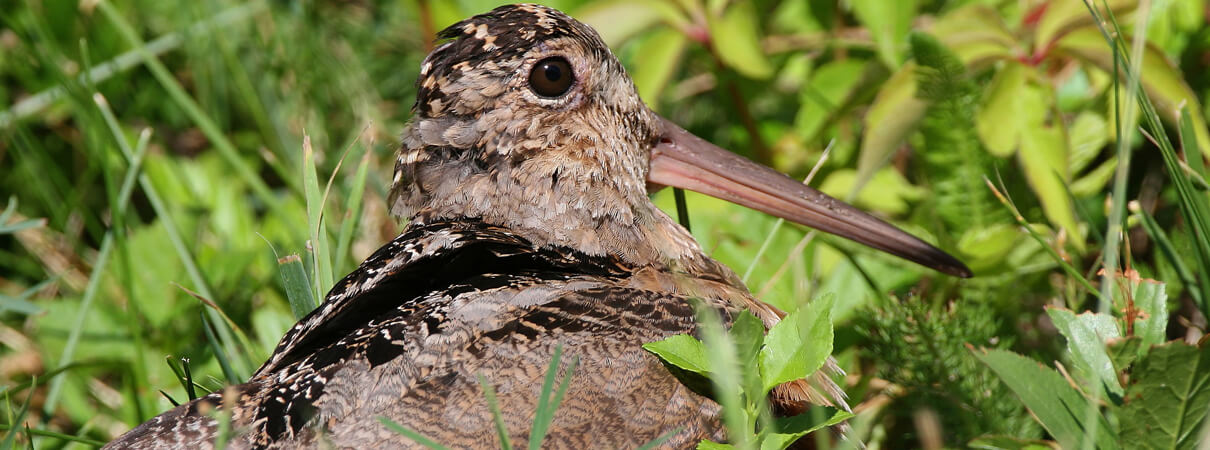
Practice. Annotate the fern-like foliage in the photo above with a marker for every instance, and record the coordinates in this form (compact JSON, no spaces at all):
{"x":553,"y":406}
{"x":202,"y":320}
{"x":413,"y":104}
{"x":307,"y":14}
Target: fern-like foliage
{"x":921,"y":346}
{"x":954,"y":158}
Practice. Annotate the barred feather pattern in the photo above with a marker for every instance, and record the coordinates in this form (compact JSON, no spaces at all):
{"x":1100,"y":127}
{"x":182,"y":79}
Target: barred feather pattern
{"x":406,"y":335}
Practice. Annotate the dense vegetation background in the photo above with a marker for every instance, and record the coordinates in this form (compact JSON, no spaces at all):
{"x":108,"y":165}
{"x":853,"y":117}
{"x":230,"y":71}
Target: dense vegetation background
{"x":155,"y":165}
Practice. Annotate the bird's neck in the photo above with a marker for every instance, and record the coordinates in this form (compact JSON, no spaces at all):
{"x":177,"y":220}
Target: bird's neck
{"x":555,"y":205}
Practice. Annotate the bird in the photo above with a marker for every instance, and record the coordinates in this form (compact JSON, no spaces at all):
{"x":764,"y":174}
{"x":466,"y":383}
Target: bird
{"x":524,"y":177}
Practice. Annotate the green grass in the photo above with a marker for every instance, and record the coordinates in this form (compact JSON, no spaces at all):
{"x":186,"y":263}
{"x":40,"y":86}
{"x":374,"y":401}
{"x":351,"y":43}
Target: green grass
{"x":157,"y":159}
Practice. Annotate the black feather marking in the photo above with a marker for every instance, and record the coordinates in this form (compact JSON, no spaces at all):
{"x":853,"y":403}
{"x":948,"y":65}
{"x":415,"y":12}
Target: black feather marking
{"x":369,"y":311}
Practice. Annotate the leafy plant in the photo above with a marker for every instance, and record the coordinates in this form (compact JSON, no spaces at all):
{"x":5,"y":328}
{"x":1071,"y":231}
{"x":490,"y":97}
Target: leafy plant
{"x":743,"y":365}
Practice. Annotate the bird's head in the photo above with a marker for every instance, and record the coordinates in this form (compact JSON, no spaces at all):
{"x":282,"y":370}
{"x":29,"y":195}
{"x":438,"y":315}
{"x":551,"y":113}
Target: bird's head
{"x":524,"y":118}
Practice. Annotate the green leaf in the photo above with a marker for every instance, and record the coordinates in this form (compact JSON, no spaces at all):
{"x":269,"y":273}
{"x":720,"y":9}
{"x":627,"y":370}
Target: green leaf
{"x":988,"y":246}
{"x":891,"y":117}
{"x":1088,"y":134}
{"x":736,"y":39}
{"x":1161,"y":79}
{"x":1123,"y":352}
{"x":657,"y":59}
{"x":748,"y":332}
{"x":683,"y":351}
{"x":1062,"y":17}
{"x":1167,"y":400}
{"x":888,"y":23}
{"x":1095,"y":180}
{"x":886,"y":191}
{"x":711,"y":445}
{"x":1151,"y":298}
{"x":1087,"y":335}
{"x":790,"y":429}
{"x":830,"y":86}
{"x":999,"y":121}
{"x":1043,"y":155}
{"x":977,"y":34}
{"x":620,"y":20}
{"x":1058,"y":406}
{"x":798,"y":345}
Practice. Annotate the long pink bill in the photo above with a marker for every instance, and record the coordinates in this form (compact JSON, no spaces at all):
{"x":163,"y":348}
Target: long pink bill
{"x":689,"y":162}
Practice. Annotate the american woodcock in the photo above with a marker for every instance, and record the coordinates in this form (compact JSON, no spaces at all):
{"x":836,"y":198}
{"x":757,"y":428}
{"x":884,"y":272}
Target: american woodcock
{"x":525,"y":174}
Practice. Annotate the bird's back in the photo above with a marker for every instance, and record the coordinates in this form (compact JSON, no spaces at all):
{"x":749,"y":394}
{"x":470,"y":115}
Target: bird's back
{"x":408,"y":335}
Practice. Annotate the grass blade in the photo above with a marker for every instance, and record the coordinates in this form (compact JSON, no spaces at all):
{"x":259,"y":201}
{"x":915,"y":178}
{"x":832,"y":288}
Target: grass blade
{"x":419,"y":438}
{"x":98,"y":268}
{"x":550,"y":399}
{"x":726,"y":376}
{"x":320,"y":256}
{"x":298,"y":289}
{"x":502,"y":431}
{"x":11,"y":437}
{"x":36,"y":103}
{"x":190,"y":107}
{"x":170,"y":227}
{"x":1067,"y":267}
{"x":353,"y":216}
{"x":52,"y":434}
{"x":655,"y":443}
{"x":21,"y":304}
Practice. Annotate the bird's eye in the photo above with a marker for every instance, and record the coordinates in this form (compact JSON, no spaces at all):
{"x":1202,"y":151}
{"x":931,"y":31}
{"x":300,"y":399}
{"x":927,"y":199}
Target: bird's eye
{"x":551,"y":77}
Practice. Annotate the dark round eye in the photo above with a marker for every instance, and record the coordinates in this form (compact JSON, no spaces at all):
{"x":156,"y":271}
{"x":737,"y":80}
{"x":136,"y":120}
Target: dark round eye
{"x":551,"y":77}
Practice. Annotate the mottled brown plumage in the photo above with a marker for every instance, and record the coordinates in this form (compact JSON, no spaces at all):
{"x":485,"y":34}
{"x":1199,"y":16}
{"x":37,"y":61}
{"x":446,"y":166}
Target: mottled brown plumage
{"x":529,"y":228}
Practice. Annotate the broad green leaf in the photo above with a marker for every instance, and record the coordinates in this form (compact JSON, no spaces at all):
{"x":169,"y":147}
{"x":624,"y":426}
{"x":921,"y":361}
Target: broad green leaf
{"x":1058,"y":406}
{"x":1161,"y":79}
{"x":1095,"y":180}
{"x":657,"y":59}
{"x":888,"y":23}
{"x":619,"y":20}
{"x":830,"y":86}
{"x":1087,"y":335}
{"x":891,"y":117}
{"x":683,"y":351}
{"x":1123,"y":352}
{"x":987,"y":247}
{"x":1151,"y":298}
{"x":1088,"y":134}
{"x":748,"y":332}
{"x":736,"y":37}
{"x":887,"y":191}
{"x":1168,"y":397}
{"x":1062,"y":17}
{"x":298,"y":289}
{"x":711,"y":445}
{"x":976,"y":33}
{"x":798,"y":345}
{"x":1043,"y":155}
{"x":790,"y":429}
{"x":999,"y":121}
